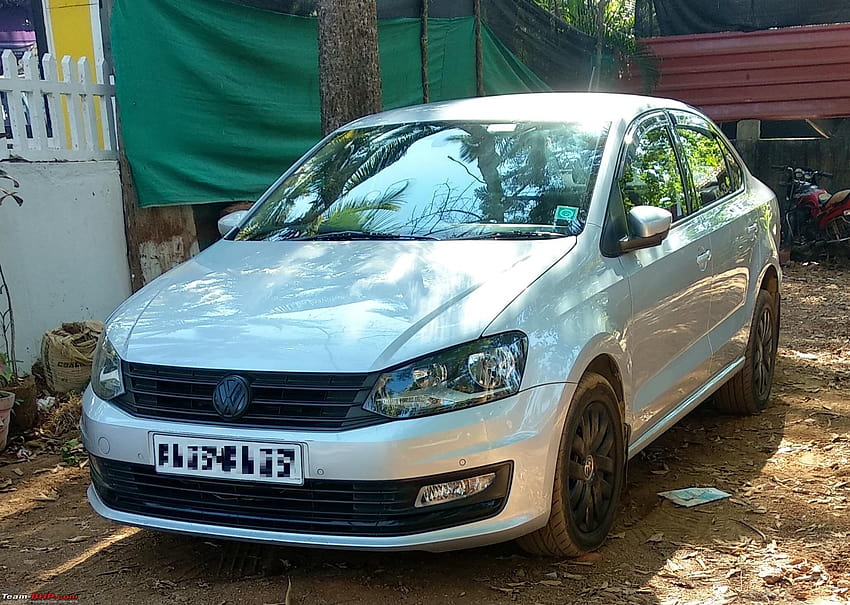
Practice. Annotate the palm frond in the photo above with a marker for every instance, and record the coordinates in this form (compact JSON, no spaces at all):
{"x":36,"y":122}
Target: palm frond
{"x":388,"y":154}
{"x":362,"y":214}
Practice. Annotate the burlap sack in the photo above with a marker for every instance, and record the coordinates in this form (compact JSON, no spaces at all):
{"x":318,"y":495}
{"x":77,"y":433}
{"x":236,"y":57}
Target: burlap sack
{"x":67,"y":355}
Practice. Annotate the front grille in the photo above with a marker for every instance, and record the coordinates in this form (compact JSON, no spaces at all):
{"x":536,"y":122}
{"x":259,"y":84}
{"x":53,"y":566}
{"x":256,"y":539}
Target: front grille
{"x":354,"y":508}
{"x":306,"y":401}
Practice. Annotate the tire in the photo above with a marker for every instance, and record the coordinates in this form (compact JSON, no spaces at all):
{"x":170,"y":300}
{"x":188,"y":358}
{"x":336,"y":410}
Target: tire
{"x":588,"y":481}
{"x":838,"y":228}
{"x":748,"y":391}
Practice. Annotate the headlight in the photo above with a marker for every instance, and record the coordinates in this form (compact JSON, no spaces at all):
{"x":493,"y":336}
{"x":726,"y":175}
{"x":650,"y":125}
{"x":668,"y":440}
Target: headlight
{"x":106,"y":380}
{"x":478,"y":372}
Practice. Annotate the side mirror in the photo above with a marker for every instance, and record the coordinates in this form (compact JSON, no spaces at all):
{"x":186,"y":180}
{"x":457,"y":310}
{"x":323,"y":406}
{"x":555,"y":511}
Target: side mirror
{"x":229,"y":221}
{"x":648,"y":225}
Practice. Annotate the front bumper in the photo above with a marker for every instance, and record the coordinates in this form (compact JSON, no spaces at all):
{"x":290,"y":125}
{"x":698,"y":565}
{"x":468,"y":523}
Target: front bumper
{"x":523,"y":430}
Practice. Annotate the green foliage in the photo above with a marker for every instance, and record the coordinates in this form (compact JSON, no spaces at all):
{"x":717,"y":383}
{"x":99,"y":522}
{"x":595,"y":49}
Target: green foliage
{"x":72,"y":452}
{"x":530,"y":171}
{"x":6,"y":369}
{"x":651,"y":175}
{"x":326,"y":181}
{"x":621,"y":51}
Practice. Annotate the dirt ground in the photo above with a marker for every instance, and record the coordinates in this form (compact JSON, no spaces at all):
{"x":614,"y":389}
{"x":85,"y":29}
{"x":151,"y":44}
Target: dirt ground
{"x":781,"y":538}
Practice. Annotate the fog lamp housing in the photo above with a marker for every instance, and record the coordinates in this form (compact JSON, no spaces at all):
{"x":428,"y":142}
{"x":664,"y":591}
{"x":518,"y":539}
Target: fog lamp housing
{"x":449,"y":491}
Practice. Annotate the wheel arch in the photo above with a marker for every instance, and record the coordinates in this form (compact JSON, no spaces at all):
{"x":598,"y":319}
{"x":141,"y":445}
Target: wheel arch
{"x":770,"y":281}
{"x":603,"y":355}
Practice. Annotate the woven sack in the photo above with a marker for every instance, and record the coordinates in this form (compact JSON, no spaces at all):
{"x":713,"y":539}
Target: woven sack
{"x":67,"y":355}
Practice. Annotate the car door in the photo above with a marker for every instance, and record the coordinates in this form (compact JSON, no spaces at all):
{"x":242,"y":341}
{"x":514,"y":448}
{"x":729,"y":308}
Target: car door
{"x":669,"y":284}
{"x":716,"y":183}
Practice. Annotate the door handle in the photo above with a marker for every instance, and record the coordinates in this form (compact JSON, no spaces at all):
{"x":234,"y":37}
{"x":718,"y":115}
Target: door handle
{"x":702,"y":259}
{"x":753,"y":229}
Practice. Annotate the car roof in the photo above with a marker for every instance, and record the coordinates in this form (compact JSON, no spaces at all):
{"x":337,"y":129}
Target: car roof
{"x":531,"y":107}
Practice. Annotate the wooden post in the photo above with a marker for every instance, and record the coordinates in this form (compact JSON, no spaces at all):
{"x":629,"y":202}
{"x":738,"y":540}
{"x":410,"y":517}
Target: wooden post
{"x":54,"y":104}
{"x":37,"y":7}
{"x":479,"y":54}
{"x":423,"y":43}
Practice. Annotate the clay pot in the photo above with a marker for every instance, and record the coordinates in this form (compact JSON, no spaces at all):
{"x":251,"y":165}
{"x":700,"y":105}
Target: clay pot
{"x":7,"y":402}
{"x":25,"y":414}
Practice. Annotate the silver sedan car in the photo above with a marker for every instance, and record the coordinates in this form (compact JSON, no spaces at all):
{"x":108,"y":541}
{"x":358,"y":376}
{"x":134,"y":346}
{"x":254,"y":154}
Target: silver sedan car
{"x":444,"y":326}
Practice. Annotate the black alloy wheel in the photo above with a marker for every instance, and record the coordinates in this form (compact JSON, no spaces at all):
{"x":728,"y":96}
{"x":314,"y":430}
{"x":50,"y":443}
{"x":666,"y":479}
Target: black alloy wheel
{"x":589,"y":474}
{"x":592,"y":470}
{"x":764,"y":354}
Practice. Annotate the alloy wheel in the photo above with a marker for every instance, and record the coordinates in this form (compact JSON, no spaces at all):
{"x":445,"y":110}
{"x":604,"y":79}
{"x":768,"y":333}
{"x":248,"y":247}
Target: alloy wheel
{"x":592,"y":468}
{"x":763,"y":358}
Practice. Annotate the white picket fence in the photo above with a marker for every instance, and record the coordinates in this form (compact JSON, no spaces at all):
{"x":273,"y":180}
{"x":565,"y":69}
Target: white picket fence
{"x":51,"y":118}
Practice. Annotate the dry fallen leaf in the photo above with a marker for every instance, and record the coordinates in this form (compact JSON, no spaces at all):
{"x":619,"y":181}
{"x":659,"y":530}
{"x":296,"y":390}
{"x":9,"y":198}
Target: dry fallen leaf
{"x":588,"y":558}
{"x":51,"y":496}
{"x":655,"y":538}
{"x":505,"y":590}
{"x":76,"y":539}
{"x":771,"y":575}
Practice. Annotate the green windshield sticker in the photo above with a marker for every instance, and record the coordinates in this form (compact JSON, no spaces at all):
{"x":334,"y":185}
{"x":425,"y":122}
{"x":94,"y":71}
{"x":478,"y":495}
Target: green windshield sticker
{"x":565,"y":214}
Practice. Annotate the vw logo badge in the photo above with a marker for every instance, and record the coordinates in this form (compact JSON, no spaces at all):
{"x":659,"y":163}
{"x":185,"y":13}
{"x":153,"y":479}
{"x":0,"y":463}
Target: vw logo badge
{"x":231,"y":397}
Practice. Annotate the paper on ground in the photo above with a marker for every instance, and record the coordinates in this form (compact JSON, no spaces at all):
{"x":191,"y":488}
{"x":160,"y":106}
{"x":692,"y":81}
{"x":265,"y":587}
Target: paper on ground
{"x":694,"y":496}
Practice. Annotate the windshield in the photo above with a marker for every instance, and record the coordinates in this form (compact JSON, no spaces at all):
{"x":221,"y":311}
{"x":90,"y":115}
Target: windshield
{"x":438,"y":181}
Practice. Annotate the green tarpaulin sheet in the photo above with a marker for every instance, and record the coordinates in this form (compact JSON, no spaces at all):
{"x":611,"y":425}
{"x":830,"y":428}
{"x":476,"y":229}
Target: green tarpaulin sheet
{"x":217,"y":99}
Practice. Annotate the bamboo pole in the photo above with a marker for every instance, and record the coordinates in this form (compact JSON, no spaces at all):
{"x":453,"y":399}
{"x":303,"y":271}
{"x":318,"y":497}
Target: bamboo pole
{"x":423,"y":43}
{"x":479,"y":55}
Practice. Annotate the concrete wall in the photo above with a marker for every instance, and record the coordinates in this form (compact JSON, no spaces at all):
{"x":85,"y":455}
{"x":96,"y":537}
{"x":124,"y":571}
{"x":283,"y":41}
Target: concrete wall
{"x":63,"y":252}
{"x":829,"y":155}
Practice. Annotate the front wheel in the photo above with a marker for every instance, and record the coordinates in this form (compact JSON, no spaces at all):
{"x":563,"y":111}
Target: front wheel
{"x":589,"y":474}
{"x":747,"y":391}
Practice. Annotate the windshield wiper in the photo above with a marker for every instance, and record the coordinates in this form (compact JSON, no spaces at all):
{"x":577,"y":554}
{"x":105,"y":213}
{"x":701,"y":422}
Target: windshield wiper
{"x":516,"y":235}
{"x":352,"y":235}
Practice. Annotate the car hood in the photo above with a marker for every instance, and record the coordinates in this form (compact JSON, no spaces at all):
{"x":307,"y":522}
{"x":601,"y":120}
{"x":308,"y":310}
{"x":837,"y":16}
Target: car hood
{"x":353,"y":306}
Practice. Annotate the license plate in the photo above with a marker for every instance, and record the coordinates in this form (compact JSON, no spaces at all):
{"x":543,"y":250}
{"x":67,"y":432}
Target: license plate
{"x":224,"y":459}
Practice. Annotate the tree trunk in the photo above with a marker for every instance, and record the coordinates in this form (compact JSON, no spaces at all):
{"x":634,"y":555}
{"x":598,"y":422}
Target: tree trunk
{"x":596,"y":74}
{"x":349,"y":72}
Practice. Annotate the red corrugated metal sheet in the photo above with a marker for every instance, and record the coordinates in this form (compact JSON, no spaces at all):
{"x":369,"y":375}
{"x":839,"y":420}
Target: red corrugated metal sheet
{"x":783,"y":74}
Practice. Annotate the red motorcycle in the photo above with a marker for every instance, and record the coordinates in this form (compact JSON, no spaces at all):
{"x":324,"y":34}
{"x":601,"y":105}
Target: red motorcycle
{"x":811,"y":216}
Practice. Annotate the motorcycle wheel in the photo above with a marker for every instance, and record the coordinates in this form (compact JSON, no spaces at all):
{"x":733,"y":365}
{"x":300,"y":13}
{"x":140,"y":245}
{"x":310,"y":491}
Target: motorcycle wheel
{"x":838,"y":228}
{"x":838,"y":232}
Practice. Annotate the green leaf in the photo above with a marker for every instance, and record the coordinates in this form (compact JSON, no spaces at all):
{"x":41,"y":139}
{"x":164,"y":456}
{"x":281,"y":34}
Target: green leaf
{"x":6,"y":369}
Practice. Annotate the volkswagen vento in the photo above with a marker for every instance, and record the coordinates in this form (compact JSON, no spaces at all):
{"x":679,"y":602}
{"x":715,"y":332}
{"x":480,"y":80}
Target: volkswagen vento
{"x":445,"y":326}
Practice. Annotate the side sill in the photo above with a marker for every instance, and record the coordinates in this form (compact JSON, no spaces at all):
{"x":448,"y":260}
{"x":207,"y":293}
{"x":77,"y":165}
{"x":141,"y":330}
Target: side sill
{"x":686,"y":406}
